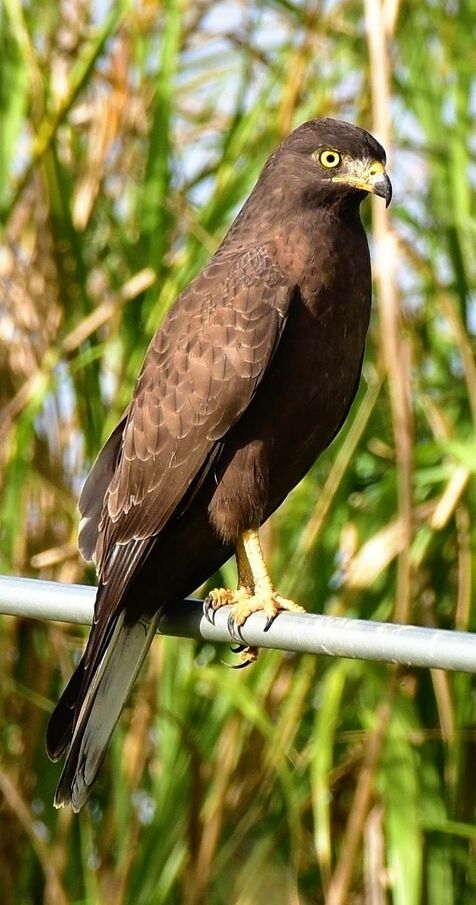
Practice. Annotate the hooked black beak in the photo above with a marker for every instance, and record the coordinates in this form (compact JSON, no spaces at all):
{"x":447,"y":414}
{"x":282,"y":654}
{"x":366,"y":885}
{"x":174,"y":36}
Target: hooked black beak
{"x":383,"y":188}
{"x":367,"y":177}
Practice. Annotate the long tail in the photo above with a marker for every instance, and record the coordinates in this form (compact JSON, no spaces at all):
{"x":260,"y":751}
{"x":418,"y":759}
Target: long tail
{"x":107,"y":692}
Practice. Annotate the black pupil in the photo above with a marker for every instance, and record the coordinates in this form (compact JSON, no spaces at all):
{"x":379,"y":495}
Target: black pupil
{"x":331,"y":158}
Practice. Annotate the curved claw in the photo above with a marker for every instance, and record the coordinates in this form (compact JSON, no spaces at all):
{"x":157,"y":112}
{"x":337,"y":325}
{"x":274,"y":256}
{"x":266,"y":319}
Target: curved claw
{"x":237,"y":665}
{"x":248,"y":655}
{"x":270,"y":621}
{"x":233,"y":628}
{"x":208,"y":610}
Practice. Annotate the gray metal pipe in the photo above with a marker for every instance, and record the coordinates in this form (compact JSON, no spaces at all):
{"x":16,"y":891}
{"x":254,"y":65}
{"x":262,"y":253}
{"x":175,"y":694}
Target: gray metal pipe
{"x":309,"y":633}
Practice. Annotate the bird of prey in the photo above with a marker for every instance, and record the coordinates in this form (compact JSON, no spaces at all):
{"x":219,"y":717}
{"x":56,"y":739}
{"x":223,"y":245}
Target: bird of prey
{"x":247,"y":380}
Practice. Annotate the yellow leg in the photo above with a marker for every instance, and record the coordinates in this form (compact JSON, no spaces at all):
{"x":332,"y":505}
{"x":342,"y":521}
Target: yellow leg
{"x":255,"y":591}
{"x":254,"y":576}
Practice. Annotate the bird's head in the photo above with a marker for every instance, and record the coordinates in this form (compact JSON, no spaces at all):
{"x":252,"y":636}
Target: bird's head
{"x":340,"y":159}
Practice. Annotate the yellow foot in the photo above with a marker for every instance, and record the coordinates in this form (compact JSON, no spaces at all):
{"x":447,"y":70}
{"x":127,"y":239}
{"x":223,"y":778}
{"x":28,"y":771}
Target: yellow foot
{"x":221,"y":597}
{"x":243,"y":603}
{"x":224,"y":597}
{"x":268,"y":602}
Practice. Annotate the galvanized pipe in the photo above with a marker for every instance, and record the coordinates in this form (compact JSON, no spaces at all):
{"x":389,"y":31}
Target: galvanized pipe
{"x":310,"y":633}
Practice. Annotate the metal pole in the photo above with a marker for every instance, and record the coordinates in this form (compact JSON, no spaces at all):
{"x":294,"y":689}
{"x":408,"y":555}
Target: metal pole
{"x":309,"y":633}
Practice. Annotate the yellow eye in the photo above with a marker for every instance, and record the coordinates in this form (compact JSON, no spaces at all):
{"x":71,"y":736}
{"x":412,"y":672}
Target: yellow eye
{"x":329,"y":159}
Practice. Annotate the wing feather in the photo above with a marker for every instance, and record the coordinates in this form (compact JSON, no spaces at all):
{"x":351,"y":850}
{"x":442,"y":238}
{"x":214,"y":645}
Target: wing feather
{"x":199,"y":375}
{"x":200,"y":372}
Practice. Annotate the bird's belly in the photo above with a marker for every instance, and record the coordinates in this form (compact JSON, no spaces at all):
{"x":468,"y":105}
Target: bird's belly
{"x":297,"y":410}
{"x":306,"y":420}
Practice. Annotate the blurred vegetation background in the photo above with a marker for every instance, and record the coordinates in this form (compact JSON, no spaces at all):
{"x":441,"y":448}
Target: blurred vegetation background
{"x":130,"y":133}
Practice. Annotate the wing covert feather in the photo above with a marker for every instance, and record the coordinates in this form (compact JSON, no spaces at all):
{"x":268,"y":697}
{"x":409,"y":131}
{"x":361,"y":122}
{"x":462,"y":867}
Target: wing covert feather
{"x":199,"y":375}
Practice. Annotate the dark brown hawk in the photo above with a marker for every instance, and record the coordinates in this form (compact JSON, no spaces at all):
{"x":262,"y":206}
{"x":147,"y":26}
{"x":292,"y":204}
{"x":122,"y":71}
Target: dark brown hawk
{"x":248,"y":379}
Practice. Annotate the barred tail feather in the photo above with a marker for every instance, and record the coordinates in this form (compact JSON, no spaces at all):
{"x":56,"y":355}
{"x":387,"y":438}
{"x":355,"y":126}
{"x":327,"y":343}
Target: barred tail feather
{"x":104,"y":699}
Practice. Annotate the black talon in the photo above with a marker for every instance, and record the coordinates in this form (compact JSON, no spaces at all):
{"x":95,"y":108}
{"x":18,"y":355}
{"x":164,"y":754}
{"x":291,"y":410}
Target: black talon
{"x":238,"y":650}
{"x":269,"y":622}
{"x":208,"y":610}
{"x":236,"y":665}
{"x":242,"y":649}
{"x":233,"y":628}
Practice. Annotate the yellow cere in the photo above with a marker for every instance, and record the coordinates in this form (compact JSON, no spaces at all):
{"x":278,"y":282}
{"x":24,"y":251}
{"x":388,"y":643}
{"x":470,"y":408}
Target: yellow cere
{"x":376,"y":168}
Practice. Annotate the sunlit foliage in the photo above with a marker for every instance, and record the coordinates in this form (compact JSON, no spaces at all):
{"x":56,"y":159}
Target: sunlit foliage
{"x":129,"y":136}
